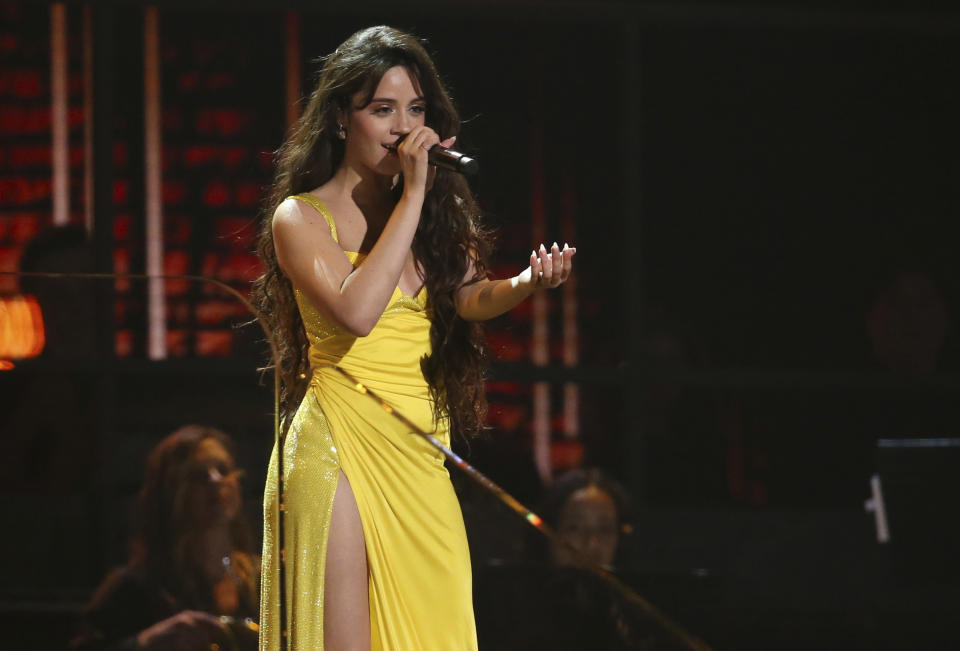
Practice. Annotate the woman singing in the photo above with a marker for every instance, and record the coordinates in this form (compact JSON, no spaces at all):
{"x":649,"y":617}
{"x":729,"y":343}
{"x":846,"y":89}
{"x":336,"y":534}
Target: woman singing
{"x":375,"y":262}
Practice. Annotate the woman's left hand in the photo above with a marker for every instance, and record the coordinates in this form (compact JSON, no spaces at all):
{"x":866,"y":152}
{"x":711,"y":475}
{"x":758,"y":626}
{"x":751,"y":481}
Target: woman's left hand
{"x":479,"y":300}
{"x":550,"y":268}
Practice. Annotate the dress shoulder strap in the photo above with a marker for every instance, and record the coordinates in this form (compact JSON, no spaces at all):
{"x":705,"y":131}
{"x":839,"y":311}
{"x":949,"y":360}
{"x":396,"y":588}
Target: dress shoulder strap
{"x":318,"y":205}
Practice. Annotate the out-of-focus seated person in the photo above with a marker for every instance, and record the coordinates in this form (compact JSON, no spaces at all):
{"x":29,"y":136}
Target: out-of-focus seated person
{"x":552,"y":602}
{"x":588,"y":510}
{"x":192,"y":579}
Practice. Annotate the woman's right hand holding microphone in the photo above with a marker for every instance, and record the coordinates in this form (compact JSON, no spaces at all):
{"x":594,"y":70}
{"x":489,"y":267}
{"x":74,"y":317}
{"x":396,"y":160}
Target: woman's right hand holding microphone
{"x":413,"y":152}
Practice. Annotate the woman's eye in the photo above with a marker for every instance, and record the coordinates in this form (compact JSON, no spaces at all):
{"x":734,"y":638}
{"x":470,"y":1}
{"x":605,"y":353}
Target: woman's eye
{"x":382,"y":109}
{"x":418,"y":110}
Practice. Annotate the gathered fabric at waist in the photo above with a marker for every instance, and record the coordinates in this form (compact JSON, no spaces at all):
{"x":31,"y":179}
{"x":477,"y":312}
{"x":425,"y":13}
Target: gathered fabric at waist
{"x":409,"y":397}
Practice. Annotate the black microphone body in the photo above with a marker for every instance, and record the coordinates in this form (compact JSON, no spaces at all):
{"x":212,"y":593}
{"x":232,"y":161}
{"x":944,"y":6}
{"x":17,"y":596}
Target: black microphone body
{"x":448,"y":159}
{"x":452,"y":160}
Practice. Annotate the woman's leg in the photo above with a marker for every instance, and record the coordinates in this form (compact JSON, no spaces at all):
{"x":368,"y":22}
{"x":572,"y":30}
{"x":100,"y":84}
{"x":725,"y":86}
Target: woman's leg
{"x":346,"y":607}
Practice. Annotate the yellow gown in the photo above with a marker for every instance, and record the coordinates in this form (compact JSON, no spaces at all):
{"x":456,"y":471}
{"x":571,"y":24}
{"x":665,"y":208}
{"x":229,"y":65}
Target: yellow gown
{"x":419,"y":565}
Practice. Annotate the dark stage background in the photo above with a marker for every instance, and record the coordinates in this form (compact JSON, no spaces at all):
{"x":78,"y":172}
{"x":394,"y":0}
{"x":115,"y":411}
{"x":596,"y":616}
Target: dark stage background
{"x":764,"y":201}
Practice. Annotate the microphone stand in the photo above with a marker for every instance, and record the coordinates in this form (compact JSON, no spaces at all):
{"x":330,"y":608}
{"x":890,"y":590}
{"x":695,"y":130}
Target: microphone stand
{"x":685,"y":638}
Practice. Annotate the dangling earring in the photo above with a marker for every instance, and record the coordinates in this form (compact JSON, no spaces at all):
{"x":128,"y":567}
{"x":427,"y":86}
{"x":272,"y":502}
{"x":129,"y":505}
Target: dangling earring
{"x":341,"y":132}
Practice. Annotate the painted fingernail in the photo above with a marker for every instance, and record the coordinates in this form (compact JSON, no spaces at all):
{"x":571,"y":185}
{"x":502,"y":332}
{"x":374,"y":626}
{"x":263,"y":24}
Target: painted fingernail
{"x":555,"y":246}
{"x":543,"y":248}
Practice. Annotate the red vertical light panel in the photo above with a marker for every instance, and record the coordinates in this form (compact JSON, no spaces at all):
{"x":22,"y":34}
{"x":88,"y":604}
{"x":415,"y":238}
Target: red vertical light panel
{"x":58,"y":114}
{"x":571,"y":336}
{"x":156,"y":307}
{"x":540,"y":349}
{"x":88,"y":117}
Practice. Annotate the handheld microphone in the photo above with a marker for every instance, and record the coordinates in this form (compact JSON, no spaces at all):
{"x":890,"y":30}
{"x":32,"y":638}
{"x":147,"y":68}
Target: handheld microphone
{"x":452,"y":160}
{"x":448,"y":159}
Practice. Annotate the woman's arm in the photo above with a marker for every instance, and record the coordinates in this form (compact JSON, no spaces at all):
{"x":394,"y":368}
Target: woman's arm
{"x":354,"y":299}
{"x":351,"y":298}
{"x":486,"y":299}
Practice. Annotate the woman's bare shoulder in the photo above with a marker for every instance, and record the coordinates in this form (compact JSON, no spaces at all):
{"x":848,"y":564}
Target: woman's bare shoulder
{"x":294,"y":213}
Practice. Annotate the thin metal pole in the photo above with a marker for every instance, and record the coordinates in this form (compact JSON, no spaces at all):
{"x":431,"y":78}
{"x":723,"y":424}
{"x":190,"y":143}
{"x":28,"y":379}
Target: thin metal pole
{"x":281,"y":546}
{"x":293,"y":74}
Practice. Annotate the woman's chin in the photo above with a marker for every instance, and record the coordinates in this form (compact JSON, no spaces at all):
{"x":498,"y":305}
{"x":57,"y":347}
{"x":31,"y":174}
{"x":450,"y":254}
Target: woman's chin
{"x":389,"y":165}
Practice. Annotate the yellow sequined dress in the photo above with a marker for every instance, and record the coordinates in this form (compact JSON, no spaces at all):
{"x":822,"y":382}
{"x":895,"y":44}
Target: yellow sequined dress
{"x":419,"y":565}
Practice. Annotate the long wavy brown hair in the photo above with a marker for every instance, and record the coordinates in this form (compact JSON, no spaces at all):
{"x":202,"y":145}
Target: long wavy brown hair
{"x":166,"y":538}
{"x":449,"y":234}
